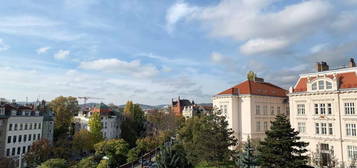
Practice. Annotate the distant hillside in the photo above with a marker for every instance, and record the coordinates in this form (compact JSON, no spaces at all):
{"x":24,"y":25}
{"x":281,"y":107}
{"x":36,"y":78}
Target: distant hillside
{"x":147,"y":107}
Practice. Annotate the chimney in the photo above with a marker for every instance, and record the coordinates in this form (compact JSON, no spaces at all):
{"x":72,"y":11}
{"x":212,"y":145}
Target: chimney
{"x":321,"y":66}
{"x":351,"y":63}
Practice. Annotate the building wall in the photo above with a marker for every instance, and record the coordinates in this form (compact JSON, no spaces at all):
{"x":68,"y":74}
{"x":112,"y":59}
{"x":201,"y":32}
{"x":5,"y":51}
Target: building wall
{"x":241,"y":113}
{"x":339,"y":140}
{"x":3,"y":124}
{"x":21,"y":147}
{"x":47,"y":131}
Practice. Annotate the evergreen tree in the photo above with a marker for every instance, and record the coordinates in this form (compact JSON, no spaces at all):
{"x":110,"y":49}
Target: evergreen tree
{"x":172,"y":157}
{"x":96,"y":127}
{"x":248,"y":159}
{"x":282,"y":147}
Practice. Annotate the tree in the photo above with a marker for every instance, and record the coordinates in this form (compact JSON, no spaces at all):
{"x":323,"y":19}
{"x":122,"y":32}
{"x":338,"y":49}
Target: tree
{"x":39,"y":152}
{"x":282,"y":147}
{"x":83,"y":141}
{"x":95,"y":126}
{"x":64,"y":108}
{"x":247,"y":159}
{"x":115,"y":149}
{"x":143,"y":145}
{"x":6,"y":162}
{"x":103,"y":164}
{"x":133,"y":127}
{"x":161,"y":121}
{"x":61,"y":148}
{"x":207,"y":139}
{"x":88,"y":162}
{"x":54,"y":163}
{"x":172,"y":157}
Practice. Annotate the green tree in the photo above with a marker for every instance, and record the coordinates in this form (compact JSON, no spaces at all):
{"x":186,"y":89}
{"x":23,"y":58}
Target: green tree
{"x":54,"y":163}
{"x":103,"y":164}
{"x":282,"y":147}
{"x":172,"y":157}
{"x":96,"y":127}
{"x":64,"y":108}
{"x":39,"y":152}
{"x":83,"y":141}
{"x":207,"y":139}
{"x":88,"y":162}
{"x":248,"y":158}
{"x":115,"y":149}
{"x":143,"y":145}
{"x":133,"y":127}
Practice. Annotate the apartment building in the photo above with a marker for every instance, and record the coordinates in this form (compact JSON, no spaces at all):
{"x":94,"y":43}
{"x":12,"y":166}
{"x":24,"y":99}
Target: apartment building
{"x":20,"y":127}
{"x":322,"y":109}
{"x":251,"y":105}
{"x":110,"y":121}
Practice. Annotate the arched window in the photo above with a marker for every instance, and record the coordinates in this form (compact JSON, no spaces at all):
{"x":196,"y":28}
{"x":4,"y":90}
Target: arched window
{"x":314,"y":86}
{"x":328,"y":85}
{"x":321,"y":85}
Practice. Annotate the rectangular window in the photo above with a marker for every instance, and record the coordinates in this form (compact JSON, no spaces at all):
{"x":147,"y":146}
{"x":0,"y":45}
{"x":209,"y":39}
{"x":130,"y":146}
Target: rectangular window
{"x":24,"y":149}
{"x":330,"y":129}
{"x":13,"y":151}
{"x":35,"y":126}
{"x":10,"y":127}
{"x":39,"y":125}
{"x":321,"y":85}
{"x":317,"y":128}
{"x":257,"y":110}
{"x":14,"y":139}
{"x":314,"y":86}
{"x":265,"y":125}
{"x":258,"y":126}
{"x":316,"y":108}
{"x":18,"y":150}
{"x":272,"y":110}
{"x":7,"y":152}
{"x":20,"y":138}
{"x":301,"y":109}
{"x":323,"y":129}
{"x":28,"y":148}
{"x":322,"y":109}
{"x":34,"y":137}
{"x":30,"y":126}
{"x":25,"y":138}
{"x":351,"y":129}
{"x":15,"y":128}
{"x":301,"y":127}
{"x":9,"y":139}
{"x":29,"y":137}
{"x":38,"y":136}
{"x":328,"y":85}
{"x":21,"y":126}
{"x":352,"y":152}
{"x":278,"y":110}
{"x":329,"y":108}
{"x":349,"y":108}
{"x":265,"y":110}
{"x":26,"y":126}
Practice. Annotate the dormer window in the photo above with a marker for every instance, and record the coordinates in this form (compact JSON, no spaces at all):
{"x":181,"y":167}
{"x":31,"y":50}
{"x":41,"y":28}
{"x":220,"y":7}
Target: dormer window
{"x":328,"y":85}
{"x":321,"y":85}
{"x":314,"y":86}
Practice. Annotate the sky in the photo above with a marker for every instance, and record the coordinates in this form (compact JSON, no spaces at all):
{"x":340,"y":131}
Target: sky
{"x":150,"y":51}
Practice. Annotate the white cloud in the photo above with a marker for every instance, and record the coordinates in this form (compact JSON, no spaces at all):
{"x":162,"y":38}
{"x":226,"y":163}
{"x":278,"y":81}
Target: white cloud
{"x":258,"y":46}
{"x":318,"y":47}
{"x":176,"y":12}
{"x":61,"y":54}
{"x":217,"y":57}
{"x":114,"y":65}
{"x":42,"y":50}
{"x":3,"y":46}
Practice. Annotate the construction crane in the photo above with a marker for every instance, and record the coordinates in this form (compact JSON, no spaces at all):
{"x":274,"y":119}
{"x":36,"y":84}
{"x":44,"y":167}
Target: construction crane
{"x":85,"y":98}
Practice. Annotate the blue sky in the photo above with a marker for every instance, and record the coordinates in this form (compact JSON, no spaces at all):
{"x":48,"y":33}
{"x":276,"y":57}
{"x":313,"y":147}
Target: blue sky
{"x":150,"y":51}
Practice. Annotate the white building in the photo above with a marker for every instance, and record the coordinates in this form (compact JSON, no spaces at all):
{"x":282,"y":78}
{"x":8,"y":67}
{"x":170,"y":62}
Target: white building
{"x":110,"y":121}
{"x":22,"y":126}
{"x":250,"y":106}
{"x":322,"y":106}
{"x":194,"y":110}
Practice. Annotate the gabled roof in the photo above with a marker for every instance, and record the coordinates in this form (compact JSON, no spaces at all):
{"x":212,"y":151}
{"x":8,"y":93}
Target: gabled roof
{"x":256,"y":88}
{"x":346,"y":80}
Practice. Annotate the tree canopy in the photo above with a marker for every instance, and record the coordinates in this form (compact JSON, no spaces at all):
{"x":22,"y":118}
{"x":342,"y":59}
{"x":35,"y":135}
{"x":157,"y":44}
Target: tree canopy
{"x":95,"y":127}
{"x":39,"y":152}
{"x":54,"y":163}
{"x":115,"y":149}
{"x":133,"y":127}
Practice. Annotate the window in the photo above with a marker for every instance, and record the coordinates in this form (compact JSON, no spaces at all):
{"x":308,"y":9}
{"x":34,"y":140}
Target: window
{"x":25,"y":138}
{"x":29,"y":137}
{"x":34,"y":137}
{"x":35,"y":126}
{"x":38,"y":136}
{"x":39,"y":125}
{"x":20,"y":138}
{"x":18,"y":150}
{"x":265,"y":125}
{"x":257,"y":110}
{"x":314,"y":86}
{"x":352,"y":152}
{"x":324,"y":147}
{"x":10,"y":127}
{"x":26,"y":126}
{"x":349,"y":108}
{"x":30,"y":126}
{"x":322,"y":109}
{"x":323,"y":129}
{"x":24,"y":149}
{"x":272,"y":110}
{"x":258,"y":126}
{"x":321,"y":85}
{"x":265,"y":110}
{"x":316,"y":108}
{"x":15,"y":128}
{"x":7,"y":152}
{"x":351,"y":129}
{"x":28,"y":148}
{"x":13,"y":151}
{"x":301,"y":109}
{"x":328,"y":85}
{"x":317,"y":128}
{"x":329,"y":108}
{"x":330,"y":129}
{"x":278,"y":110}
{"x":14,"y":139}
{"x":9,"y":139}
{"x":301,"y":127}
{"x":21,"y":126}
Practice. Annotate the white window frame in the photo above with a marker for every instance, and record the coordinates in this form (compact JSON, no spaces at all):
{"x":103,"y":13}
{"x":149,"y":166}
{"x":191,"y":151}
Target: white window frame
{"x":330,"y":128}
{"x":349,"y":108}
{"x":352,"y":152}
{"x":351,"y":129}
{"x":301,"y":127}
{"x":257,"y":110}
{"x":323,"y":129}
{"x":301,"y":109}
{"x":321,"y":84}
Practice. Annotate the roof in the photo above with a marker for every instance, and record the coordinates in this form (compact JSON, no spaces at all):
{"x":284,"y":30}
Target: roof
{"x":347,"y":80}
{"x":256,"y":88}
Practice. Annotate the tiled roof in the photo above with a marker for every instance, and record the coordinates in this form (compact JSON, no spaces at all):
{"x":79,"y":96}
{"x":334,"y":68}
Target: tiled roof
{"x":256,"y":88}
{"x":346,"y":80}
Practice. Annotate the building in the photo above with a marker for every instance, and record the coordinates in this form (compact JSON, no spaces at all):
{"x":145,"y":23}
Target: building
{"x":110,"y":120}
{"x":178,"y":105}
{"x":48,"y":120}
{"x":196,"y":109}
{"x":322,"y":106}
{"x":250,"y":106}
{"x":20,"y":126}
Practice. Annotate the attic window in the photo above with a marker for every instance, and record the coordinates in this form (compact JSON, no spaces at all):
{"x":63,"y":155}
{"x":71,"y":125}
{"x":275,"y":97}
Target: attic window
{"x":321,"y":85}
{"x":328,"y":85}
{"x":314,"y":86}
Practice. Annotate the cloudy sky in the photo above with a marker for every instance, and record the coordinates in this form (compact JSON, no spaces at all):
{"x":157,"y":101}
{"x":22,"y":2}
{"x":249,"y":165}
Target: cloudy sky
{"x":150,"y":51}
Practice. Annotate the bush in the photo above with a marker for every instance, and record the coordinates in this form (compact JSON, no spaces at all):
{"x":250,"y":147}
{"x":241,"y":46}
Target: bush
{"x":54,"y":163}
